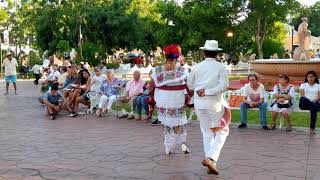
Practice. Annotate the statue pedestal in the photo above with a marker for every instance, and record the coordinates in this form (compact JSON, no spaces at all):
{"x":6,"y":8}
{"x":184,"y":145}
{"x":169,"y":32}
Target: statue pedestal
{"x":300,"y":54}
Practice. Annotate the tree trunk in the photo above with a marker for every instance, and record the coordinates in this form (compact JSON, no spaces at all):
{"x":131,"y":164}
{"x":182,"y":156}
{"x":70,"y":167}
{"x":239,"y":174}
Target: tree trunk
{"x":258,"y":38}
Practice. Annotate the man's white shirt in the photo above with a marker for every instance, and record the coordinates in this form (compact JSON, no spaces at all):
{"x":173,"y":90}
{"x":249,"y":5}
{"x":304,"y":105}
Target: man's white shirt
{"x":213,"y":77}
{"x":10,"y":67}
{"x":54,"y":76}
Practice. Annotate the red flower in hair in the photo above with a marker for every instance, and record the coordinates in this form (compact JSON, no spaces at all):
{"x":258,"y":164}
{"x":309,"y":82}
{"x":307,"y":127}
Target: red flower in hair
{"x":172,"y":49}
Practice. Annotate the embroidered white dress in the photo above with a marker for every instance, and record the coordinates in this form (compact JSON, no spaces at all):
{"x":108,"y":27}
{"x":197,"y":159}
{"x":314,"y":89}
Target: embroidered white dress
{"x":170,"y":104}
{"x":277,"y":89}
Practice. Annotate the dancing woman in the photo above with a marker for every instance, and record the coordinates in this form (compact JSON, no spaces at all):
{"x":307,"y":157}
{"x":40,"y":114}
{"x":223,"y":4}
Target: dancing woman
{"x":170,"y":99}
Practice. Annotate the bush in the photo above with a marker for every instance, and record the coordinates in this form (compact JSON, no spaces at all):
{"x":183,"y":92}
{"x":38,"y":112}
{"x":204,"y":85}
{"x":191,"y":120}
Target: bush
{"x":112,"y":66}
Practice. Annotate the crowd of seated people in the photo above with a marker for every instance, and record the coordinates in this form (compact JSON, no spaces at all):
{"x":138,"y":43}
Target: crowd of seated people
{"x":71,"y":86}
{"x":282,"y":95}
{"x":68,"y":87}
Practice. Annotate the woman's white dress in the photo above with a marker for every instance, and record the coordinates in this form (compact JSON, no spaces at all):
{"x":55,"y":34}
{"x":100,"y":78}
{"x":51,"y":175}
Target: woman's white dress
{"x":170,"y":104}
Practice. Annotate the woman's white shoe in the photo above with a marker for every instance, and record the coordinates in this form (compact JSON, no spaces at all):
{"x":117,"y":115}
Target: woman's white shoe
{"x":185,"y":149}
{"x":168,"y":152}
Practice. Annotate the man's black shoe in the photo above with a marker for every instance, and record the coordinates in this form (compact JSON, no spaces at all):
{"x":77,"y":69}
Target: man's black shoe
{"x":242,"y":125}
{"x":123,"y":116}
{"x":155,"y":123}
{"x":265,"y":127}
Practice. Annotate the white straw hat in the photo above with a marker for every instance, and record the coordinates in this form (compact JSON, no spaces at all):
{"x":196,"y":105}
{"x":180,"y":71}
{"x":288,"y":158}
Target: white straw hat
{"x":211,"y":45}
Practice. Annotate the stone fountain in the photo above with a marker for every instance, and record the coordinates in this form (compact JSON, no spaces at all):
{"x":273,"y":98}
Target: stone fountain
{"x":295,"y":68}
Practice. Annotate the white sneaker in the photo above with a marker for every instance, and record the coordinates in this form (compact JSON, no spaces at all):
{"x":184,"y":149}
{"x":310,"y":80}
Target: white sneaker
{"x":185,"y":149}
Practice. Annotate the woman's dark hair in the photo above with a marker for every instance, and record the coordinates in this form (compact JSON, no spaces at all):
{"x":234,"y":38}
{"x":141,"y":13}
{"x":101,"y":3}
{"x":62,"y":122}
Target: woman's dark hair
{"x":211,"y":54}
{"x":314,"y":74}
{"x":64,"y":69}
{"x":253,"y":75}
{"x":82,"y":79}
{"x":285,"y":77}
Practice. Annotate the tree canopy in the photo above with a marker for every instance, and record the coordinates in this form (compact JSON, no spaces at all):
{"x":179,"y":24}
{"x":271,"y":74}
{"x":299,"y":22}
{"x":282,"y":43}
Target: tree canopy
{"x":106,"y":25}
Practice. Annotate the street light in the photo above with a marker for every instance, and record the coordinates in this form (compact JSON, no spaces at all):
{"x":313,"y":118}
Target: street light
{"x":230,"y":36}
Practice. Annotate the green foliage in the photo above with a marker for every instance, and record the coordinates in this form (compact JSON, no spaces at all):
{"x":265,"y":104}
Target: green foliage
{"x":112,"y":66}
{"x":262,"y":15}
{"x":270,"y":47}
{"x":92,"y":53}
{"x":54,"y":26}
{"x":34,"y":58}
{"x":63,"y":46}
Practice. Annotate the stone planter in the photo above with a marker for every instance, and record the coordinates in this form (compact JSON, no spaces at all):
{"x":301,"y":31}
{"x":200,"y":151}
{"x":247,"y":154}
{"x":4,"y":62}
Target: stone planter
{"x":296,"y":70}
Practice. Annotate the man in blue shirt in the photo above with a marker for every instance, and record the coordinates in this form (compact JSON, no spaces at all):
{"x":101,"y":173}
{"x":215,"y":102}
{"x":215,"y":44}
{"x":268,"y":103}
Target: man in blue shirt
{"x":55,"y":101}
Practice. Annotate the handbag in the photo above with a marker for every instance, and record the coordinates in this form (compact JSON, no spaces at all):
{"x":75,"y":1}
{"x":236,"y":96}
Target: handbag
{"x":286,"y":103}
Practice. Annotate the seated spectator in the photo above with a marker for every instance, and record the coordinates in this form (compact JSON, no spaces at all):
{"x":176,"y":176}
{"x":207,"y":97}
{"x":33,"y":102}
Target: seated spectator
{"x":109,"y":91}
{"x":47,"y":73}
{"x":81,"y":66}
{"x":94,"y":86}
{"x":310,"y":96}
{"x":55,"y":102}
{"x":72,"y":73}
{"x":63,"y":77}
{"x":71,"y":78}
{"x":54,"y":76}
{"x":66,"y":63}
{"x":282,"y":95}
{"x":133,"y":90}
{"x":81,"y":88}
{"x":104,"y":68}
{"x":143,"y":100}
{"x":46,"y":82}
{"x":253,"y":98}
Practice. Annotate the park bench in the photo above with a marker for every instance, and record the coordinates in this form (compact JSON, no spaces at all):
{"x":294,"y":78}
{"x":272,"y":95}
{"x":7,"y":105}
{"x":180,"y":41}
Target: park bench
{"x":268,"y":98}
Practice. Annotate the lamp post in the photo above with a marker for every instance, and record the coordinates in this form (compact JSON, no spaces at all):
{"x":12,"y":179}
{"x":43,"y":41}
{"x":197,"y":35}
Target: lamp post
{"x":1,"y":60}
{"x":230,"y":36}
{"x":292,"y":32}
{"x":80,"y":41}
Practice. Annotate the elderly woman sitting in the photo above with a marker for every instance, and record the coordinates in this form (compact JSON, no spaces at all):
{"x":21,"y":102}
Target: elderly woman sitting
{"x":109,"y":90}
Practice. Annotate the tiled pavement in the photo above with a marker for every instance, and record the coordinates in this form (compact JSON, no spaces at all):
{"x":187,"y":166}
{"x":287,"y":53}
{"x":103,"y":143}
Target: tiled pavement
{"x":33,"y":147}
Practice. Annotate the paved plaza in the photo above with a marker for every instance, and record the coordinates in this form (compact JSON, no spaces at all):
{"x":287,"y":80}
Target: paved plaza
{"x":34,"y":147}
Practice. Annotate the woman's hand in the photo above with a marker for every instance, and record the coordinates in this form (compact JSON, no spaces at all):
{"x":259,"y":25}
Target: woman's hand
{"x":201,"y":93}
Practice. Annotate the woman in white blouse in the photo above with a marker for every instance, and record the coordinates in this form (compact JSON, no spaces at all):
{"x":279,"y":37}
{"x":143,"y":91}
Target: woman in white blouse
{"x":310,"y":96}
{"x":282,"y":95}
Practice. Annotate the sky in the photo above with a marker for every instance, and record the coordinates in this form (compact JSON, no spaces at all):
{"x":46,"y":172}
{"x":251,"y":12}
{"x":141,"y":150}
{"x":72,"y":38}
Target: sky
{"x":308,"y":2}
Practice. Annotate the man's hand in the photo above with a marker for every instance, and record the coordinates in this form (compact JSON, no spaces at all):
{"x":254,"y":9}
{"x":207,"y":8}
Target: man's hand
{"x":253,"y":104}
{"x":201,"y":93}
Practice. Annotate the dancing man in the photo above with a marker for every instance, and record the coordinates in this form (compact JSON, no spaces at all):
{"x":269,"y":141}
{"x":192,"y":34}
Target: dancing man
{"x":209,"y":80}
